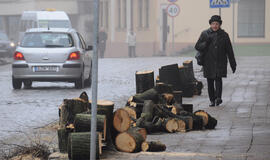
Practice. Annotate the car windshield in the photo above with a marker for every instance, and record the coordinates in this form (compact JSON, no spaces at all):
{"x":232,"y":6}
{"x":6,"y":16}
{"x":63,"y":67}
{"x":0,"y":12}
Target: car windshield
{"x":3,"y":36}
{"x":54,"y":24}
{"x":47,"y":40}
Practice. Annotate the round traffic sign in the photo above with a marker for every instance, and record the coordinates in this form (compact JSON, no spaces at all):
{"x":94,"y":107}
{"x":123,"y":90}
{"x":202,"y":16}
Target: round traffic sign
{"x":173,"y":10}
{"x":172,"y":1}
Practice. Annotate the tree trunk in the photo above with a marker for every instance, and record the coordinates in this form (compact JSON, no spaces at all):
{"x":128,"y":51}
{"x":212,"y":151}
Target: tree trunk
{"x":150,"y":94}
{"x":121,"y":120}
{"x":79,"y":146}
{"x":144,"y":81}
{"x":129,"y":142}
{"x":153,"y":146}
{"x":70,"y":108}
{"x":142,"y":131}
{"x":170,"y":75}
{"x":209,"y":122}
{"x":63,"y":139}
{"x":82,"y":123}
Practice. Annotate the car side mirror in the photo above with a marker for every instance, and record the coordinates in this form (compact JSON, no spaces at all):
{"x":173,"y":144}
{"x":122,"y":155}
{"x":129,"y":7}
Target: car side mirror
{"x":89,"y":48}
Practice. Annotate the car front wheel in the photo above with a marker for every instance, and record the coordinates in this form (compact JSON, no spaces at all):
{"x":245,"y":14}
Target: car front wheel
{"x":16,"y":83}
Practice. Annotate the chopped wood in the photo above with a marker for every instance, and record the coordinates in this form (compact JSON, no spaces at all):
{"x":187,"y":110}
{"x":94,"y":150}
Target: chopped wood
{"x":129,"y":142}
{"x":153,"y":146}
{"x":121,"y":120}
{"x":170,"y":125}
{"x":142,"y":131}
{"x":150,"y":94}
{"x":63,"y":139}
{"x":209,"y":122}
{"x":188,"y":107}
{"x":163,"y":88}
{"x":131,"y":111}
{"x":144,"y":81}
{"x":178,"y":96}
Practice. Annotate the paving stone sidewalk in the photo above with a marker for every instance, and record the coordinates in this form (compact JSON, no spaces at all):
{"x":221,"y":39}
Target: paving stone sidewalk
{"x":243,"y":130}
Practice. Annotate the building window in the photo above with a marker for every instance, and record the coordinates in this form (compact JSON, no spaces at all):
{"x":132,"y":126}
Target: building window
{"x":143,"y":13}
{"x":251,"y":18}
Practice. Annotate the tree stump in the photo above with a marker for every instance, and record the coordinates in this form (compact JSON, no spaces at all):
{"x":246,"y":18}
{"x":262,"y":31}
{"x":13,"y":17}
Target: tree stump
{"x":190,"y":71}
{"x":144,"y":81}
{"x":170,"y":75}
{"x":82,"y":123}
{"x":121,"y":120}
{"x":129,"y":142}
{"x":70,"y":108}
{"x":153,"y":146}
{"x":79,"y":146}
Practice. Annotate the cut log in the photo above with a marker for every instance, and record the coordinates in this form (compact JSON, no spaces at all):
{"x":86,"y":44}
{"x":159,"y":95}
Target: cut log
{"x":162,"y":88}
{"x":181,"y":126}
{"x":148,"y":110}
{"x":131,"y":111}
{"x":153,"y":146}
{"x":178,"y":96}
{"x":190,"y":71}
{"x":150,"y":94}
{"x":188,"y":107}
{"x":170,"y":75}
{"x":121,"y":120}
{"x":70,"y":108}
{"x":79,"y":146}
{"x":176,"y":109}
{"x":167,"y":98}
{"x":209,"y":122}
{"x":129,"y":142}
{"x":63,"y":139}
{"x":142,"y":131}
{"x":82,"y":123}
{"x":170,"y":125}
{"x":197,"y":122}
{"x":157,"y":79}
{"x":144,"y":81}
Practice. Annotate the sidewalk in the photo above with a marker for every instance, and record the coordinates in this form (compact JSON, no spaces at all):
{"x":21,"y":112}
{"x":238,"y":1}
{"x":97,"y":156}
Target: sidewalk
{"x":243,"y":130}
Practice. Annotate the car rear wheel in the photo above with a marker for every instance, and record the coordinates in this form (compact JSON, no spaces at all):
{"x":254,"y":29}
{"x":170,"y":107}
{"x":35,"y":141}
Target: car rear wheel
{"x":16,"y":83}
{"x":79,"y":83}
{"x":88,"y":81}
{"x":27,"y":84}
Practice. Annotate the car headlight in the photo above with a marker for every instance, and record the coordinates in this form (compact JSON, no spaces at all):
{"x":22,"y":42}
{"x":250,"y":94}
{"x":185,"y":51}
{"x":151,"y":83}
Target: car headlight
{"x":12,"y":44}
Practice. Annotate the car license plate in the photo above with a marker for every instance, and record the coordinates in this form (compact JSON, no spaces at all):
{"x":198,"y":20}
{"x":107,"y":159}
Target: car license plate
{"x":45,"y":69}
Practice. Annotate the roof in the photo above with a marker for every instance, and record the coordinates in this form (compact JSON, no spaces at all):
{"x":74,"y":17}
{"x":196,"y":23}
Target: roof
{"x":66,"y":30}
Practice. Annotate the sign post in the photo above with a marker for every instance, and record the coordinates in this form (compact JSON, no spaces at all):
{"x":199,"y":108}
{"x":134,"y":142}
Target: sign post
{"x":220,"y":4}
{"x":173,"y":10}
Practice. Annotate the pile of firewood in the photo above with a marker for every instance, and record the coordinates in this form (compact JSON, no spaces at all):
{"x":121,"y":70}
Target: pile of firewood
{"x":75,"y":126}
{"x":181,"y":78}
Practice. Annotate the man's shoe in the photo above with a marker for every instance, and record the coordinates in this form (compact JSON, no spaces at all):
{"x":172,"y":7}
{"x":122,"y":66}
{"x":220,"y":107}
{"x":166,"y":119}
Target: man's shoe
{"x":212,"y":104}
{"x":218,"y":101}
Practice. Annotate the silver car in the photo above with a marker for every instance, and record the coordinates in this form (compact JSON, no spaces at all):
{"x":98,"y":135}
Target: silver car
{"x":55,"y":54}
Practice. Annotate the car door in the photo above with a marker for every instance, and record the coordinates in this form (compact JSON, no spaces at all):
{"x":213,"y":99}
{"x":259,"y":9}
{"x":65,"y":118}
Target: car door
{"x":87,"y":58}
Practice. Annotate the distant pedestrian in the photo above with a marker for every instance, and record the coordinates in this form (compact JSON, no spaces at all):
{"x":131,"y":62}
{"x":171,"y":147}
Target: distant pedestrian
{"x":216,"y":48}
{"x":131,"y":40}
{"x":102,"y":42}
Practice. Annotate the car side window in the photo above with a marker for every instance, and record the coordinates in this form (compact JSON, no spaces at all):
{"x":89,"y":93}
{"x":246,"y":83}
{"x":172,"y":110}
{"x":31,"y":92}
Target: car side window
{"x":82,"y":43}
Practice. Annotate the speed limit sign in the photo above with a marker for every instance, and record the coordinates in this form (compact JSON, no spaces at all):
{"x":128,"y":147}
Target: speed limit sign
{"x":173,"y":10}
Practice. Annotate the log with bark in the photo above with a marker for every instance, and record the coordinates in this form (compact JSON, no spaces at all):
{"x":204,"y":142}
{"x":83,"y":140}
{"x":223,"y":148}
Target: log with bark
{"x":188,"y":107}
{"x":63,"y":134}
{"x":190,"y":72}
{"x":170,"y":75}
{"x":144,"y":81}
{"x":70,"y":108}
{"x":162,"y":88}
{"x":129,"y":142}
{"x":79,"y":145}
{"x":170,"y":125}
{"x":150,"y":94}
{"x":209,"y":122}
{"x":197,"y":122}
{"x":82,"y":123}
{"x":178,"y":96}
{"x":121,"y":120}
{"x":153,"y":146}
{"x":142,"y":131}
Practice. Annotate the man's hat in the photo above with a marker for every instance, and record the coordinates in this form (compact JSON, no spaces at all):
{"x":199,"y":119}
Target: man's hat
{"x":215,"y":18}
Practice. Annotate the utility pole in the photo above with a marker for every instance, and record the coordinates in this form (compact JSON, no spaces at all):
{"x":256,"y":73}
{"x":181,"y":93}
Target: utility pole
{"x":95,"y":83}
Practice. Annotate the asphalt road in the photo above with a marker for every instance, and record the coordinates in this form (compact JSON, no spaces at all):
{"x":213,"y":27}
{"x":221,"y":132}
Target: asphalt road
{"x":27,"y":109}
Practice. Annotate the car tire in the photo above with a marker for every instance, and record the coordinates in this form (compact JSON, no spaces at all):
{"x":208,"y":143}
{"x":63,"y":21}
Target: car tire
{"x":27,"y":84}
{"x":79,"y":83}
{"x":88,"y":81}
{"x":16,"y":83}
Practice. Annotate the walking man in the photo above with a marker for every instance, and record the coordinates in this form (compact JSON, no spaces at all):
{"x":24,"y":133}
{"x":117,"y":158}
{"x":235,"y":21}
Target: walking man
{"x":215,"y":45}
{"x":131,"y":40}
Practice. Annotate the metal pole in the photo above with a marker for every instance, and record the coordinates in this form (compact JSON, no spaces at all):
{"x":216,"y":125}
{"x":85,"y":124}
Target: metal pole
{"x":173,"y":34}
{"x":95,"y":83}
{"x":220,"y":12}
{"x":233,"y":22}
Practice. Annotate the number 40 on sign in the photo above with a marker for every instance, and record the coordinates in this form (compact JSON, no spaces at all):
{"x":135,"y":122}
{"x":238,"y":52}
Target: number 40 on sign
{"x":173,"y":10}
